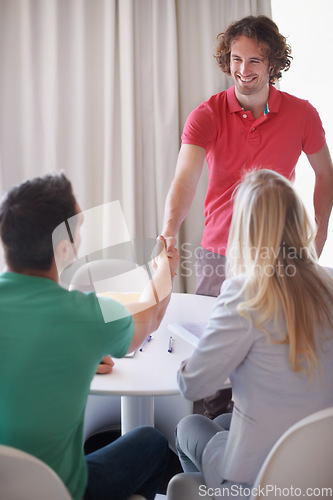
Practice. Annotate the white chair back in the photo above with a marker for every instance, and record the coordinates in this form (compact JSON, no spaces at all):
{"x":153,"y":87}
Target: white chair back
{"x":301,"y":459}
{"x":23,"y":476}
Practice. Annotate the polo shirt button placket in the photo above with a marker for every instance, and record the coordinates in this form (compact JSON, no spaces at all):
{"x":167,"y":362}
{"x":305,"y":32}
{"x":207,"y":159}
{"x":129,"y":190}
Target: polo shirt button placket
{"x":254,"y":136}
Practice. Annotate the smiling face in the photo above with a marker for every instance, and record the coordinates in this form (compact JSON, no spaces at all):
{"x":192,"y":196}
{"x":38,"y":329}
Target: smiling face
{"x":249,"y":67}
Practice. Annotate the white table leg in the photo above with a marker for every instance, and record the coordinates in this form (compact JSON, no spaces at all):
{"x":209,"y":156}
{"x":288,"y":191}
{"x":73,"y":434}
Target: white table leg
{"x":136,"y":411}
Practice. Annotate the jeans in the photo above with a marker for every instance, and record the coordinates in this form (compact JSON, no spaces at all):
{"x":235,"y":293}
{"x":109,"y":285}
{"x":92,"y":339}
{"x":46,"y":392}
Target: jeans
{"x":134,"y":463}
{"x":192,"y":435}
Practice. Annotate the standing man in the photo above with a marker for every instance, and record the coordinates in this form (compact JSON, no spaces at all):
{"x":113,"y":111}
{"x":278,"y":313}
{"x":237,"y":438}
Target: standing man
{"x":251,"y":125}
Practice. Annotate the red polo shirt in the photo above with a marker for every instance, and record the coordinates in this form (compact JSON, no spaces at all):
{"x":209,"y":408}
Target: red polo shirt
{"x":235,"y":142}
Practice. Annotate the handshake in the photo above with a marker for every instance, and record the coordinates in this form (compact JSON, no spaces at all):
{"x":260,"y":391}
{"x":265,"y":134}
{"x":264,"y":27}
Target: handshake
{"x":166,"y":248}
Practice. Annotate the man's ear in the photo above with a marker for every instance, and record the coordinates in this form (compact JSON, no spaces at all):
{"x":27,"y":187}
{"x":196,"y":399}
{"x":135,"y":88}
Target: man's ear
{"x":63,"y":253}
{"x":61,"y":249}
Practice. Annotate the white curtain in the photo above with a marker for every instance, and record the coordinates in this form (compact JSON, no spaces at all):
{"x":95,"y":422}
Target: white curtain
{"x":101,"y":88}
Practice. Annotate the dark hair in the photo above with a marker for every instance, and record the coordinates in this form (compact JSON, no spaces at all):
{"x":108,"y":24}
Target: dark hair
{"x":267,"y":35}
{"x":28,"y":215}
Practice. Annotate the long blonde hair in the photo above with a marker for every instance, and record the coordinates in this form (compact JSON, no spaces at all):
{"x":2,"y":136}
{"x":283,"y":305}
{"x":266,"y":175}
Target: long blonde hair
{"x":271,"y":242}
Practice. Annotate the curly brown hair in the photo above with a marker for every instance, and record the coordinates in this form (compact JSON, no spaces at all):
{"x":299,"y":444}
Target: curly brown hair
{"x":267,"y":35}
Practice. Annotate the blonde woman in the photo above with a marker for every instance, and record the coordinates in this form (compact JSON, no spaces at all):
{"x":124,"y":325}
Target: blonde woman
{"x":271,"y":331}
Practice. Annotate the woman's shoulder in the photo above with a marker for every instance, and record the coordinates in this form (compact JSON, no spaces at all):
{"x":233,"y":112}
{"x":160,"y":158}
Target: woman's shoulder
{"x":328,"y":272}
{"x":233,"y":287}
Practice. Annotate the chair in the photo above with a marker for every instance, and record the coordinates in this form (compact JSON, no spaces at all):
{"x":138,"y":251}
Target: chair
{"x":186,"y":486}
{"x":140,"y":497}
{"x":23,"y":476}
{"x":301,"y":459}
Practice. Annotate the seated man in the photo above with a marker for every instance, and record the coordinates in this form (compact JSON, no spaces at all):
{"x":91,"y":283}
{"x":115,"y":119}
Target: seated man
{"x":51,"y":343}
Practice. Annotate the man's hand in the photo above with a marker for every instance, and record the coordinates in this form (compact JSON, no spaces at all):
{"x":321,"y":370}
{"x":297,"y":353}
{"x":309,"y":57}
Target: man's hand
{"x":172,"y":255}
{"x":105,"y":365}
{"x":163,"y":252}
{"x":170,"y":244}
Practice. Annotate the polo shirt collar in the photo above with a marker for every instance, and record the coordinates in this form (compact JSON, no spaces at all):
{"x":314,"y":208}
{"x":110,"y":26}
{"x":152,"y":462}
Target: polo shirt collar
{"x":272,"y":106}
{"x":233,"y":104}
{"x":274,"y":99}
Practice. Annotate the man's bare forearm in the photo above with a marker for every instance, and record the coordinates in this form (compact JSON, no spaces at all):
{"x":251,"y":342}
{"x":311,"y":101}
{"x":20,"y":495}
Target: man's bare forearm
{"x":323,"y":193}
{"x":323,"y":202}
{"x":182,"y":191}
{"x":177,"y":207}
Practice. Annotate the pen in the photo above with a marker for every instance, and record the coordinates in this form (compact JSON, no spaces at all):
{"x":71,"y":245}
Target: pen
{"x":148,"y":339}
{"x":170,"y":344}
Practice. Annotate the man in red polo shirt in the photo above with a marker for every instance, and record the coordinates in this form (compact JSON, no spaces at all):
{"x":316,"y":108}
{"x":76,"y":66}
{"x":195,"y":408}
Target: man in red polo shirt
{"x":251,"y":125}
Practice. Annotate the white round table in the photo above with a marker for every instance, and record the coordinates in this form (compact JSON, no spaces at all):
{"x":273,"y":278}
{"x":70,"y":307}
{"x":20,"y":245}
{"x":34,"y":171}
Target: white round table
{"x":153,"y":372}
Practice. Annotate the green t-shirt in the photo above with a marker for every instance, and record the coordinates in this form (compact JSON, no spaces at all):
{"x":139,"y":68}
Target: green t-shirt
{"x":51,"y":342}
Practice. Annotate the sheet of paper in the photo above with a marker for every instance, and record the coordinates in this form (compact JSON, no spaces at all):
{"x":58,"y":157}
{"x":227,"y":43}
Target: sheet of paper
{"x":192,"y":332}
